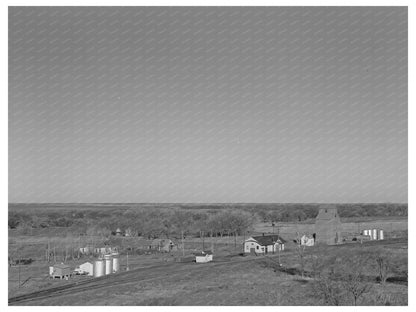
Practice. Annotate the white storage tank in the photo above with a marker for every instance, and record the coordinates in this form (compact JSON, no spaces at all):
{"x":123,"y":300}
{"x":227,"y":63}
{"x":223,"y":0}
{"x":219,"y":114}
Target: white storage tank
{"x":108,"y":264}
{"x":116,"y":262}
{"x":381,"y":235}
{"x":375,"y":234}
{"x":99,"y":268}
{"x":365,"y":232}
{"x":50,"y":270}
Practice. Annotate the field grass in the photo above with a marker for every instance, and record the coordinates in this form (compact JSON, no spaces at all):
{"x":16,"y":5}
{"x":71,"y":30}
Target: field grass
{"x":231,"y":282}
{"x":238,"y":283}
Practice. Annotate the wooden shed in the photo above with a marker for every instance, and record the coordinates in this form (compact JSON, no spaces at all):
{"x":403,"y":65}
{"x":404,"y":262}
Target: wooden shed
{"x":203,"y":256}
{"x":60,"y":271}
{"x":328,"y":226}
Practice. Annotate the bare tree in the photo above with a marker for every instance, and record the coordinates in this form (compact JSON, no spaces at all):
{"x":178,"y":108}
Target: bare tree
{"x":300,"y":251}
{"x":353,"y":278}
{"x":383,"y":268}
{"x":329,"y":290}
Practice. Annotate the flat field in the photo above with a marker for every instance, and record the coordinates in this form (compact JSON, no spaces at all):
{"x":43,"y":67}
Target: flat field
{"x":231,"y":279}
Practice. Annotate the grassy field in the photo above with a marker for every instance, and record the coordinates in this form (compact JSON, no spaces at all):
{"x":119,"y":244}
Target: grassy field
{"x":236,"y":280}
{"x":158,"y":279}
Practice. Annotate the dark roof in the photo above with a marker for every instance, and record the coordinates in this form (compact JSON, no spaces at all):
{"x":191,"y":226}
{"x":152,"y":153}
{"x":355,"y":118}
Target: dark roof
{"x":267,"y":240}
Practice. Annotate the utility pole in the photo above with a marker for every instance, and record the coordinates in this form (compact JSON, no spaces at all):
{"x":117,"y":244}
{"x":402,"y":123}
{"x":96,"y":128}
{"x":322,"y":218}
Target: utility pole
{"x":280,"y":245}
{"x":212,"y":243}
{"x":203,"y":236}
{"x":244,"y":240}
{"x":183,"y":246}
{"x":19,"y":273}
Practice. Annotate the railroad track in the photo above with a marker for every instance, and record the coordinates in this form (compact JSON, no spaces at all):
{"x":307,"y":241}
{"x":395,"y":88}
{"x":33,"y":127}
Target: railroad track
{"x":133,"y":276}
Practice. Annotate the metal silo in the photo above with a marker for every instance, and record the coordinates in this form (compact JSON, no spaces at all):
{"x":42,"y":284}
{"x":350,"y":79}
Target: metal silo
{"x":375,"y":234}
{"x":116,"y":262}
{"x":108,"y":264}
{"x":365,"y":232}
{"x":370,"y":233}
{"x":99,"y":268}
{"x":381,"y":235}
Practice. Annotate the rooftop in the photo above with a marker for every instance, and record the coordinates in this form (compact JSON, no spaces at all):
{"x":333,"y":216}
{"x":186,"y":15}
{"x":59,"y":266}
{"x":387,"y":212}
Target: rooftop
{"x":266,"y":240}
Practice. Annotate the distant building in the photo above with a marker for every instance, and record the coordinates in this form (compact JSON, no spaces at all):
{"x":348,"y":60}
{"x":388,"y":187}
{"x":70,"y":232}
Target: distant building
{"x":60,"y":271}
{"x":86,"y":268}
{"x":328,"y":226}
{"x":104,"y":250}
{"x":307,"y":240}
{"x":119,"y":232}
{"x":165,"y":245}
{"x":203,"y":257}
{"x":264,"y":244}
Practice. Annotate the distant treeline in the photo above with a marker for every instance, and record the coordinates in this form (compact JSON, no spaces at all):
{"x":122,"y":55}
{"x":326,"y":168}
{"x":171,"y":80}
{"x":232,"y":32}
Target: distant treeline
{"x":173,"y":220}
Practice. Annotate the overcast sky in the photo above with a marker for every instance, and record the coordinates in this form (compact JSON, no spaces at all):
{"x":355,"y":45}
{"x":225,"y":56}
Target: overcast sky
{"x":154,"y":104}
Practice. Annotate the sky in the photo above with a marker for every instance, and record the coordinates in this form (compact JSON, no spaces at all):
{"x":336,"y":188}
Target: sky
{"x":208,"y":104}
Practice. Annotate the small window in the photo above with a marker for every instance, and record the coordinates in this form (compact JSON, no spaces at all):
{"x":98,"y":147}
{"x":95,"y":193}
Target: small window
{"x":257,"y":247}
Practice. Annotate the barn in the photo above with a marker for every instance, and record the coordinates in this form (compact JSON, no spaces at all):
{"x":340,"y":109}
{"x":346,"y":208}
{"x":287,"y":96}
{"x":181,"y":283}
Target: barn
{"x":328,"y":226}
{"x":264,"y":244}
{"x":203,"y":256}
{"x":60,"y":271}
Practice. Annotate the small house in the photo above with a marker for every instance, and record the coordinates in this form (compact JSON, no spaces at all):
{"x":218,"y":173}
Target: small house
{"x":307,"y":240}
{"x":86,"y":268}
{"x":264,"y":244}
{"x":60,"y":271}
{"x":203,"y":256}
{"x":165,"y":245}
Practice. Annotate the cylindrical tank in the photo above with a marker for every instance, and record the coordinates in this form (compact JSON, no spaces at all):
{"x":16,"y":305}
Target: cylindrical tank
{"x":108,"y":264}
{"x":381,"y":235}
{"x":370,"y":233}
{"x":375,"y":234}
{"x":365,"y":232}
{"x":99,"y":268}
{"x":50,"y":270}
{"x":116,"y":262}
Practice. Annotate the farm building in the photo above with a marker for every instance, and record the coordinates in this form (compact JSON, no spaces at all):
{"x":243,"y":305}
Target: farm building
{"x":264,"y":244}
{"x":86,"y":250}
{"x":306,"y":240}
{"x":328,"y":226}
{"x":203,"y":256}
{"x":165,"y":245}
{"x":105,"y":250}
{"x":86,"y":268}
{"x":60,"y":270}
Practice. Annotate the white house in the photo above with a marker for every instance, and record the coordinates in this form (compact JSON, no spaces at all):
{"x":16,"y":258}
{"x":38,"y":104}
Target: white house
{"x":264,"y":244}
{"x":203,"y":257}
{"x":307,"y":241}
{"x":86,"y":268}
